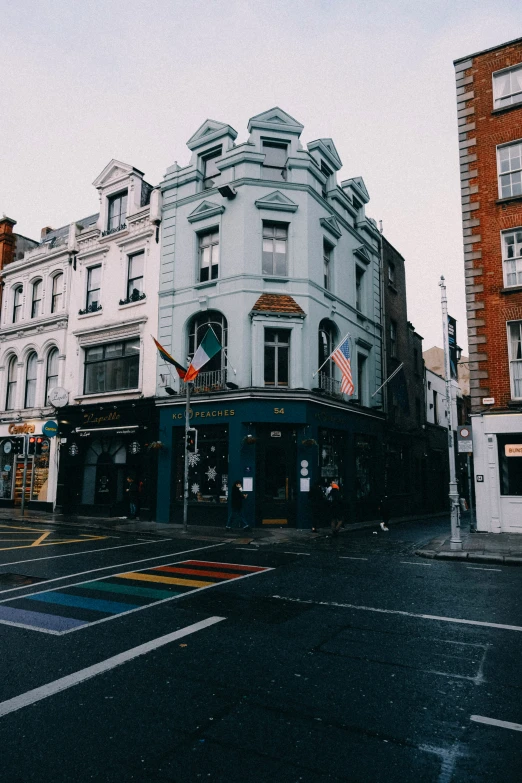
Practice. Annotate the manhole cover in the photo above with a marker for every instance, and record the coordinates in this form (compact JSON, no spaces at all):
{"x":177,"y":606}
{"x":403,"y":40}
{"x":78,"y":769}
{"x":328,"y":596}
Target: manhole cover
{"x":18,"y":580}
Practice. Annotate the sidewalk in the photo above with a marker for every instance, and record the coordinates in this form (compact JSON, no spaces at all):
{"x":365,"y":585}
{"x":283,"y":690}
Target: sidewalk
{"x":257,"y":535}
{"x":499,"y":548}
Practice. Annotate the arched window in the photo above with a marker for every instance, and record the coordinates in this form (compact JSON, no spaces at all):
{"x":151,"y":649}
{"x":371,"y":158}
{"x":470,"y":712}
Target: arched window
{"x":30,"y":381}
{"x":12,"y":371}
{"x":17,"y":303}
{"x":198,"y":327}
{"x":327,"y":337}
{"x":56,"y":301}
{"x":36,"y":302}
{"x":51,"y":376}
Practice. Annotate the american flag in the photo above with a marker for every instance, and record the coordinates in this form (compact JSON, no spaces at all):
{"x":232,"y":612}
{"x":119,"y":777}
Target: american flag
{"x":341,"y":357}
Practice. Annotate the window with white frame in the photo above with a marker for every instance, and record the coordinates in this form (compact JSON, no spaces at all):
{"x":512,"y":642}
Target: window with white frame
{"x":92,"y":302}
{"x":12,"y":374}
{"x":515,"y":358}
{"x":31,"y":369}
{"x":210,"y":170}
{"x":510,"y":170}
{"x":275,"y":241}
{"x":51,"y":375}
{"x":36,"y":303}
{"x":277,"y":355}
{"x":276,"y":153}
{"x":512,"y":256}
{"x":17,"y":303}
{"x":327,"y":264}
{"x":135,"y":276}
{"x":57,"y":295}
{"x":208,"y":255}
{"x":117,"y":211}
{"x":507,"y":87}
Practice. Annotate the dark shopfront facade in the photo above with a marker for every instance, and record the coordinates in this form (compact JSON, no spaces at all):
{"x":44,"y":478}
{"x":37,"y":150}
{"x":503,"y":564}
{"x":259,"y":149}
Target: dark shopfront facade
{"x":100,"y":446}
{"x":277,"y":447}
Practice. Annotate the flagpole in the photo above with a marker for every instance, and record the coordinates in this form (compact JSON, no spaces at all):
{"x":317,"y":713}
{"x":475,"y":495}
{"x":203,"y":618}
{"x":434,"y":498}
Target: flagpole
{"x":329,"y":357}
{"x":394,"y":373}
{"x":186,"y":465}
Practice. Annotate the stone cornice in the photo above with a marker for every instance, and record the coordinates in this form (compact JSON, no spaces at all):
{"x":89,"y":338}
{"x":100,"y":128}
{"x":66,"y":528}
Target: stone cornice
{"x":90,"y":336}
{"x":31,"y":328}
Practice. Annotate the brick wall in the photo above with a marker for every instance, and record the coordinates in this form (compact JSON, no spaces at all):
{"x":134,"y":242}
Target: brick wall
{"x":484,"y":214}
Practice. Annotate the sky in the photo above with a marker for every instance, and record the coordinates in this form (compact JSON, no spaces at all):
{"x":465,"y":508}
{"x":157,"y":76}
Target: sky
{"x":85,"y":82}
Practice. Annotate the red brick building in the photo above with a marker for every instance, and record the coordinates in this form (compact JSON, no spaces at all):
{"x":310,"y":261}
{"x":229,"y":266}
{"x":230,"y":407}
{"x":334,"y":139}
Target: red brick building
{"x":489,"y":110}
{"x":12,"y":246}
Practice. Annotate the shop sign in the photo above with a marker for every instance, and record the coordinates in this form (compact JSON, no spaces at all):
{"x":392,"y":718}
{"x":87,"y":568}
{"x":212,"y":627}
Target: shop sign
{"x":7,"y":447}
{"x":21,"y":429}
{"x":58,"y":397}
{"x":275,"y":434}
{"x":464,"y":439}
{"x":50,"y":428}
{"x":513,"y":449}
{"x":93,"y":418}
{"x":214,"y":413}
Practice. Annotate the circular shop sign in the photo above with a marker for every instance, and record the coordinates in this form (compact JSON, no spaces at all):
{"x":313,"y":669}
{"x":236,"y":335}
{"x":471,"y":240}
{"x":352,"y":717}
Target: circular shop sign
{"x":50,"y":429}
{"x":8,"y":446}
{"x":58,"y":397}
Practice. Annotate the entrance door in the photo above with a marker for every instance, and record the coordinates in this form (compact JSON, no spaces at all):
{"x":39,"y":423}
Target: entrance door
{"x":105,"y":480}
{"x":19,"y":477}
{"x":276,"y":477}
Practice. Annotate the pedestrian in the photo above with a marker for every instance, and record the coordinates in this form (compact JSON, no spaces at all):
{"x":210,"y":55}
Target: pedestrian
{"x":384,"y":509}
{"x":336,"y":507}
{"x":317,"y":504}
{"x":236,"y":502}
{"x":132,"y":497}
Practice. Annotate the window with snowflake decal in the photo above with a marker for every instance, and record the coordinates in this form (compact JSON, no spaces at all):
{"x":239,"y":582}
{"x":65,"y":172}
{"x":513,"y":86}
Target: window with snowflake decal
{"x":208,"y":466}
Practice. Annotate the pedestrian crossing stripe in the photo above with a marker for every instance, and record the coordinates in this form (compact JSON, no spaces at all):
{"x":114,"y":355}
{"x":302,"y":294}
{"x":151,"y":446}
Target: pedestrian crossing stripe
{"x":64,"y":609}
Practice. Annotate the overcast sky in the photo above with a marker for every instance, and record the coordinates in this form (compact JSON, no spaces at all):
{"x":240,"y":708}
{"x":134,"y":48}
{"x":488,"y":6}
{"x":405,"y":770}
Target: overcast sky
{"x":84,"y":82}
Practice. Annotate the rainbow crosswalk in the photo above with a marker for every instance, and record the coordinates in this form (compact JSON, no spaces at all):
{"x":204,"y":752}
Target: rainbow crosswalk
{"x":66,"y":609}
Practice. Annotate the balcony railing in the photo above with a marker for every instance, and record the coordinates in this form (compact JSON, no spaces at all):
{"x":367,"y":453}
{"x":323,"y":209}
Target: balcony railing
{"x":206,"y":382}
{"x":329,"y":385}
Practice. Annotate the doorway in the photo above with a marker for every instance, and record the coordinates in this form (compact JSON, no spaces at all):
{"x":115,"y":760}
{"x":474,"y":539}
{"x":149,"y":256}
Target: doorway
{"x":276,"y":476}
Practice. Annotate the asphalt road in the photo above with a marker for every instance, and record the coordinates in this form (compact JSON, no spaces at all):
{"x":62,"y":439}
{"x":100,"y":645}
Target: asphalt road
{"x":342,"y":659}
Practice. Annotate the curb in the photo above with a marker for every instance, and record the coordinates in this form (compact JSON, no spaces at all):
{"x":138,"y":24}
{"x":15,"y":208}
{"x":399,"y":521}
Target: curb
{"x":471,"y":557}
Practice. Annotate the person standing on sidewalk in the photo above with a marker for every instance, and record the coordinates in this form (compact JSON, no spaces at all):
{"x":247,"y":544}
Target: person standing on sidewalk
{"x":236,"y":513}
{"x":318,"y":505}
{"x":336,"y":507}
{"x":132,"y":496}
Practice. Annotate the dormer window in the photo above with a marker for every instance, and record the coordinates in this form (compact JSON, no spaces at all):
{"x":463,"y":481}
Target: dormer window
{"x":328,"y":173}
{"x":276,"y":154}
{"x":210,"y":170}
{"x":117,"y":211}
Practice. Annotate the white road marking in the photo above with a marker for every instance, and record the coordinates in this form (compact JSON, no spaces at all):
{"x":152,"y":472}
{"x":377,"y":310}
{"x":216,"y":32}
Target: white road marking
{"x":352,"y":558}
{"x":407,"y":562}
{"x":404,"y":614}
{"x":107,"y":568}
{"x":297,"y":553}
{"x":37,"y":694}
{"x":87,"y":552}
{"x":503,"y":724}
{"x":479,"y":568}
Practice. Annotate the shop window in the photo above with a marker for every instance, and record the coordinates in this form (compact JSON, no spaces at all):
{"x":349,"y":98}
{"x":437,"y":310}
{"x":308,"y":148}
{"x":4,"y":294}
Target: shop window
{"x":274,"y":166}
{"x":210,"y":170}
{"x":365,"y":467}
{"x":198,"y":327}
{"x":57,"y":295}
{"x":17,"y":303}
{"x":277,"y":355}
{"x":510,"y":463}
{"x":117,"y":211}
{"x":275,"y":242}
{"x":7,"y":469}
{"x":51,"y":376}
{"x":112,"y":367}
{"x":36,"y":304}
{"x":208,"y":255}
{"x":30,"y":381}
{"x":333,"y":448}
{"x":40,"y":477}
{"x":12,"y":373}
{"x":208,"y":466}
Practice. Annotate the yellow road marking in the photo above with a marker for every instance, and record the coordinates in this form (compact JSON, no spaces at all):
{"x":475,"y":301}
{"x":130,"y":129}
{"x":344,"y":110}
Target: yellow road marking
{"x":53,"y":543}
{"x":42,"y":538}
{"x":166,"y":579}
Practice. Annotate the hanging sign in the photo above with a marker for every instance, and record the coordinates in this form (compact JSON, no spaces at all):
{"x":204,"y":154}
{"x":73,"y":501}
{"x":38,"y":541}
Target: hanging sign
{"x":50,"y":429}
{"x":58,"y":397}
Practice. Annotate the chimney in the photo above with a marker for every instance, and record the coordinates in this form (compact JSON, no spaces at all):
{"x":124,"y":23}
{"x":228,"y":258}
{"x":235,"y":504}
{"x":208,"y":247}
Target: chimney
{"x":45,"y":231}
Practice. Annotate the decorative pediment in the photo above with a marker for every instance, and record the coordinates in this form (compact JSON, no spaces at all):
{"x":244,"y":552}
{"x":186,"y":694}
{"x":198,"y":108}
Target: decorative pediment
{"x":331,"y":224}
{"x":363,"y":254}
{"x":356,"y":184}
{"x":275,"y":118}
{"x":114,"y":171}
{"x":205,"y":210}
{"x":210,"y":130}
{"x":328,"y":150}
{"x":277,"y":201}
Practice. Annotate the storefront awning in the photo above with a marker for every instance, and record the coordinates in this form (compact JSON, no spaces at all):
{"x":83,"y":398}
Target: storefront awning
{"x":108,"y":429}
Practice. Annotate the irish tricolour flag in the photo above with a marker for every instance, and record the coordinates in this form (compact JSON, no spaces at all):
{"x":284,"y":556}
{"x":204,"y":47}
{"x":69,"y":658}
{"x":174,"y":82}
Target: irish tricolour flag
{"x":208,"y":347}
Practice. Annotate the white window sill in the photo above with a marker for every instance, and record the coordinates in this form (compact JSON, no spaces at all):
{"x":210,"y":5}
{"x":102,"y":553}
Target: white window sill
{"x":90,"y":315}
{"x":94,"y":395}
{"x":206,"y":284}
{"x":131,"y":304}
{"x":276,"y":278}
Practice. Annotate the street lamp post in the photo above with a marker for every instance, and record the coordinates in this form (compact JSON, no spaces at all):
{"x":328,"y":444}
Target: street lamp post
{"x":456,"y":540}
